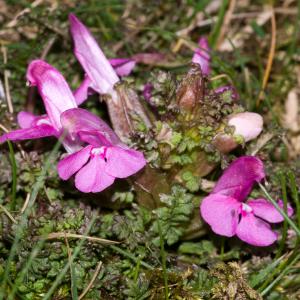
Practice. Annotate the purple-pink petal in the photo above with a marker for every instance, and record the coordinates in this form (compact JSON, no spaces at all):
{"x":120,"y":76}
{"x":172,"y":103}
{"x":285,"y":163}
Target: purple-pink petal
{"x":255,"y":231}
{"x":35,"y":132}
{"x":25,"y":119}
{"x":202,"y":56}
{"x":225,"y":88}
{"x":147,"y":92}
{"x":154,"y":58}
{"x":83,"y":91}
{"x":239,"y":178}
{"x":92,"y":59}
{"x":92,"y":177}
{"x":78,"y":120}
{"x":266,"y":210}
{"x":221,"y":213}
{"x":122,"y":163}
{"x":53,"y":89}
{"x":123,"y":66}
{"x":69,"y":165}
{"x":93,"y":138}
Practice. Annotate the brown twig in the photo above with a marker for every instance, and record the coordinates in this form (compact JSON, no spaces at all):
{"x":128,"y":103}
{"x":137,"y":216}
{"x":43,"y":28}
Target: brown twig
{"x":270,"y":57}
{"x":8,"y":214}
{"x":6,"y":82}
{"x":227,"y":19}
{"x":57,"y":235}
{"x":25,"y":203}
{"x":23,"y":12}
{"x":89,"y":286}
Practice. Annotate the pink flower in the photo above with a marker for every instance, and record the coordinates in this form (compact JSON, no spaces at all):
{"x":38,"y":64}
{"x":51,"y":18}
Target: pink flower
{"x":202,"y":56}
{"x":103,"y":159}
{"x":147,"y":91}
{"x":123,"y":66}
{"x":227,"y":214}
{"x":249,"y":125}
{"x":57,"y":98}
{"x":101,"y":73}
{"x":98,"y":156}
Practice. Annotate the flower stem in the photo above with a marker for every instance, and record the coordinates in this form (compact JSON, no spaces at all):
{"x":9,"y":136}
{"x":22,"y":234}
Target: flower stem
{"x":283,"y":213}
{"x":14,"y":176}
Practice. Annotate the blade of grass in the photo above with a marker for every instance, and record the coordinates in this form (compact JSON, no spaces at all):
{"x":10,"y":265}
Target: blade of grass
{"x":163,"y":261}
{"x":74,"y":291}
{"x":263,"y":274}
{"x":14,"y":176}
{"x":63,"y":272}
{"x":282,"y":274}
{"x":217,"y":28}
{"x":24,"y":271}
{"x":132,"y":257}
{"x":295,"y":194}
{"x":22,"y":224}
{"x":98,"y":268}
{"x":285,"y":224}
{"x":285,"y":216}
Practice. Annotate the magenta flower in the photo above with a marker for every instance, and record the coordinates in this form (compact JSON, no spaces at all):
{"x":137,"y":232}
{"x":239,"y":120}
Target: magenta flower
{"x":100,"y":75}
{"x":98,"y":156}
{"x":103,"y":159}
{"x":122,"y":66}
{"x":225,"y":88}
{"x":57,"y":98}
{"x":227,"y":214}
{"x":202,"y":56}
{"x":147,"y":91}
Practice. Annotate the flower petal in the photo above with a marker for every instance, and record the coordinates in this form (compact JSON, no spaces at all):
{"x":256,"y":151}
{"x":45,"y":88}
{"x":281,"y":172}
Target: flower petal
{"x":92,"y":58}
{"x":266,"y":210}
{"x":221,"y":213}
{"x":77,"y":119}
{"x":202,"y":56}
{"x":35,"y":132}
{"x":239,"y":178}
{"x":123,"y":66}
{"x":153,"y":58}
{"x":122,"y":163}
{"x":69,"y":165}
{"x":25,"y":119}
{"x":53,"y":89}
{"x":147,"y":91}
{"x":92,"y":178}
{"x":225,"y":88}
{"x":93,"y":138}
{"x":83,"y":91}
{"x":255,"y":231}
{"x":247,"y":124}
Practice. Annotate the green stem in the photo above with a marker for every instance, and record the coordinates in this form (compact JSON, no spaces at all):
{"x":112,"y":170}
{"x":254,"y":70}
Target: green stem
{"x":283,"y":213}
{"x":282,"y":274}
{"x":163,"y":261}
{"x":222,"y":248}
{"x":14,"y":176}
{"x":295,"y":194}
{"x":217,"y":28}
{"x":22,"y":224}
{"x":72,"y":258}
{"x":132,"y":257}
{"x":285,"y":224}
